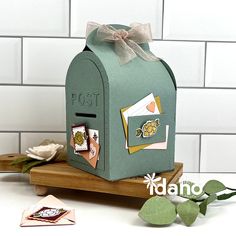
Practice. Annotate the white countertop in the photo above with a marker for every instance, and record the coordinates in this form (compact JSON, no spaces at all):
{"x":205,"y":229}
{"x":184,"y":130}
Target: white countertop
{"x":104,"y":214}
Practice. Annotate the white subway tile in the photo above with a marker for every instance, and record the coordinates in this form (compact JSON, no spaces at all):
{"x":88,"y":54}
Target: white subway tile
{"x":26,"y":108}
{"x":220,"y":66}
{"x":46,"y":60}
{"x":34,"y":139}
{"x":206,"y":110}
{"x":187,"y":151}
{"x":10,"y":60}
{"x":218,"y":153}
{"x":9,"y":143}
{"x":115,"y":12}
{"x":37,"y":17}
{"x":200,"y":19}
{"x":186,"y":59}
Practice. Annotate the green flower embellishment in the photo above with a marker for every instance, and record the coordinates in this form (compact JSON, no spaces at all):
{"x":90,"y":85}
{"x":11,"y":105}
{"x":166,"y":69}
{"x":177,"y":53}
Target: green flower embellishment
{"x":149,"y":129}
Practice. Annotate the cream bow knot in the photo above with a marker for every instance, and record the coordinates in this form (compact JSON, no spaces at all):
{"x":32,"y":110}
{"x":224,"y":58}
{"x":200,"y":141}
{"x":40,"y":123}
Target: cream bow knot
{"x":126,"y":42}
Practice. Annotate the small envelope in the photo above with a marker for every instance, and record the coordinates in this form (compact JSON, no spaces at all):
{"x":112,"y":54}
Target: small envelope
{"x":52,"y":202}
{"x":91,"y":156}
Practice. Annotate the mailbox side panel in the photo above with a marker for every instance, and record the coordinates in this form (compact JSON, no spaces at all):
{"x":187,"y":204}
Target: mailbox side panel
{"x":85,"y":104}
{"x":128,"y":85}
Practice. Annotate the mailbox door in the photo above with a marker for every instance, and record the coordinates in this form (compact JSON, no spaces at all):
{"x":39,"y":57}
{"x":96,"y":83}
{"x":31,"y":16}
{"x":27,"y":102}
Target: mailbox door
{"x":85,"y":105}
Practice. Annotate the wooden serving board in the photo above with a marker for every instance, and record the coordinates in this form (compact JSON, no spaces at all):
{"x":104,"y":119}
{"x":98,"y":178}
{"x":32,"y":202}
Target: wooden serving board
{"x":5,"y":162}
{"x":62,"y":175}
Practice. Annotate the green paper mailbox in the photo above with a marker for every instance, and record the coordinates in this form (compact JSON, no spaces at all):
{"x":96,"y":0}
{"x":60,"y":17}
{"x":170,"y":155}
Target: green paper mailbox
{"x":99,"y":90}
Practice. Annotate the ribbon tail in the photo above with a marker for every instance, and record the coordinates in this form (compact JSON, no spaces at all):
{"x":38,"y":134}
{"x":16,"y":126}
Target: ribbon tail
{"x":140,"y":33}
{"x":140,"y":52}
{"x":124,"y":52}
{"x":104,"y":32}
{"x":91,"y":26}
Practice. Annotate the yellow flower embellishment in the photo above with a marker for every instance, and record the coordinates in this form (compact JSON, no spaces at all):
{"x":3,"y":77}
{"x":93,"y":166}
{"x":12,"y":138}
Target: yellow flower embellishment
{"x":79,"y":138}
{"x":149,"y":129}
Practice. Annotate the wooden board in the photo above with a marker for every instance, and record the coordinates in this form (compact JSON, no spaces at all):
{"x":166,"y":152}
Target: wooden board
{"x":5,"y":162}
{"x":62,"y":175}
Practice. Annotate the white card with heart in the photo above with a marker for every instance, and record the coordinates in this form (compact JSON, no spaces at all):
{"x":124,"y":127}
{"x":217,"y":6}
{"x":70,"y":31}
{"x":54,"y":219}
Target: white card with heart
{"x":145,"y":106}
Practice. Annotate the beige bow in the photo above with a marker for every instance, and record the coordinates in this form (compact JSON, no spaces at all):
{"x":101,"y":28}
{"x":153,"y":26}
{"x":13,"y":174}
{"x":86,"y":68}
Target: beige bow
{"x":126,"y":43}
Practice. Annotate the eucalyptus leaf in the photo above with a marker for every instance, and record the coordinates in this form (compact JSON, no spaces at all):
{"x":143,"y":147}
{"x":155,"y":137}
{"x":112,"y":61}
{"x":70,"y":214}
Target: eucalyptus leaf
{"x":27,"y":167}
{"x":20,"y":160}
{"x":207,"y":201}
{"x":188,"y":211}
{"x":189,"y":195}
{"x":213,"y":186}
{"x":226,"y":196}
{"x":158,"y":211}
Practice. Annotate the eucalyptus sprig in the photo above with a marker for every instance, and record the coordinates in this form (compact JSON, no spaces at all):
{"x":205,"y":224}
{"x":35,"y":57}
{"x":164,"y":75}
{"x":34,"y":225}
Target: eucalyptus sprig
{"x":27,"y":163}
{"x":161,"y":211}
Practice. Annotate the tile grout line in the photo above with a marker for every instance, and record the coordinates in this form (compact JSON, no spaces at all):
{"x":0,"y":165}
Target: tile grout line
{"x":69,"y":18}
{"x":31,"y":131}
{"x":162,"y":19}
{"x":41,"y":36}
{"x":205,"y":61}
{"x":20,"y":142}
{"x":33,"y":85}
{"x":210,"y":172}
{"x":191,"y":40}
{"x":205,"y":88}
{"x":61,"y":85}
{"x":205,"y":133}
{"x":215,"y":172}
{"x":200,"y":149}
{"x":22,"y":58}
{"x":82,"y":37}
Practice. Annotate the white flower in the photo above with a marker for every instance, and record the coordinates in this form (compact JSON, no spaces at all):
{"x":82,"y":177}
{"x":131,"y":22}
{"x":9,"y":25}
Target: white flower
{"x":151,"y":182}
{"x":44,"y":152}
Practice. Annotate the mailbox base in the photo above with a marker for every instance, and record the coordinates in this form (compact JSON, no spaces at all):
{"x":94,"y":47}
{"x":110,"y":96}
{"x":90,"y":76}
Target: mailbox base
{"x":61,"y":175}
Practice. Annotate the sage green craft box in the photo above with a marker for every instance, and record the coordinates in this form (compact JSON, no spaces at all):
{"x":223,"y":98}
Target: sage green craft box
{"x":97,"y":88}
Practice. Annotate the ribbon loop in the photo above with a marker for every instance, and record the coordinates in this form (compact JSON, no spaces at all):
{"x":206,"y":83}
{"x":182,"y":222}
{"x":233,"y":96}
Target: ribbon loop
{"x":126,"y":43}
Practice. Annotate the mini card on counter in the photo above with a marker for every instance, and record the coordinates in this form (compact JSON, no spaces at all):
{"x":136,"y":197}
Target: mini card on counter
{"x":48,"y":212}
